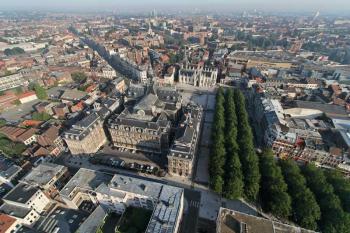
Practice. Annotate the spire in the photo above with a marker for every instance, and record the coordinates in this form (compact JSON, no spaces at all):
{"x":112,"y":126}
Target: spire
{"x":185,"y":57}
{"x":150,"y":32}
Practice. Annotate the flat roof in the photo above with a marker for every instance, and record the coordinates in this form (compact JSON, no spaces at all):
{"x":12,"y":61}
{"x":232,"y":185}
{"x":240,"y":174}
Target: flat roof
{"x":43,"y":173}
{"x":168,"y":199}
{"x":85,"y":179}
{"x":231,"y":221}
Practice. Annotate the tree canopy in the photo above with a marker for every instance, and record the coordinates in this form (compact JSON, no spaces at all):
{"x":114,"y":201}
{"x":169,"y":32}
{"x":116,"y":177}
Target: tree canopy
{"x":14,"y":51}
{"x":217,"y":158}
{"x":273,"y":192}
{"x":10,"y":148}
{"x":248,"y":157}
{"x":41,"y":116}
{"x":306,"y":211}
{"x":341,"y":188}
{"x":233,"y":183}
{"x":79,"y":77}
{"x":333,"y":218}
{"x":39,"y":91}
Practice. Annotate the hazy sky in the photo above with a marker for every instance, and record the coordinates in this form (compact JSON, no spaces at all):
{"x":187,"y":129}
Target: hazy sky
{"x":234,"y":5}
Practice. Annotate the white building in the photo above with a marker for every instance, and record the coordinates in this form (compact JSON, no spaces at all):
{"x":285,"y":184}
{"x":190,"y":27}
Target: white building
{"x":108,"y":73}
{"x":118,"y":192}
{"x":27,"y":97}
{"x":23,"y":215}
{"x":11,"y":81}
{"x":200,"y":77}
{"x":27,"y":196}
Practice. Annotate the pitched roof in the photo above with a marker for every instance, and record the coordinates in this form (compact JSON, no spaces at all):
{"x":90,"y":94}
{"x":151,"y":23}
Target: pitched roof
{"x":6,"y":222}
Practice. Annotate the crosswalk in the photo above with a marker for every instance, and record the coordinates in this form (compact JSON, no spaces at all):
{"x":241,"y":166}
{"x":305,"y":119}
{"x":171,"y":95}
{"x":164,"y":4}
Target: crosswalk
{"x":195,"y":204}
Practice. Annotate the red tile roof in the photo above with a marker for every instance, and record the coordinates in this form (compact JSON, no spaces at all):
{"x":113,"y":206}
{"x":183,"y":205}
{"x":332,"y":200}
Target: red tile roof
{"x":26,"y":94}
{"x":6,"y":222}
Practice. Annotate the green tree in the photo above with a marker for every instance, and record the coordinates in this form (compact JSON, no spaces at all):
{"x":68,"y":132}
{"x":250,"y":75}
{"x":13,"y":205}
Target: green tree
{"x":217,"y":158}
{"x":233,"y":187}
{"x":41,"y":116}
{"x":341,"y":188}
{"x":14,"y":51}
{"x":79,"y":77}
{"x":273,"y":192}
{"x":40,"y":92}
{"x":9,"y":148}
{"x":2,"y":122}
{"x":333,"y":218}
{"x":306,"y":211}
{"x":248,"y":157}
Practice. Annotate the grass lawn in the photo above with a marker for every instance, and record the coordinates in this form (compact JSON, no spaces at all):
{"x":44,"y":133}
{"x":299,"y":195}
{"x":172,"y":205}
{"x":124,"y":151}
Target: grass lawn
{"x":135,"y":220}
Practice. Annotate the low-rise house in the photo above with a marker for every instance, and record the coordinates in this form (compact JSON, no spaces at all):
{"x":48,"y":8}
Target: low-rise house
{"x":72,"y":95}
{"x":51,"y":140}
{"x":23,"y":215}
{"x":60,"y":110}
{"x":232,"y":221}
{"x":7,"y":223}
{"x":9,"y":173}
{"x":26,"y":136}
{"x":27,"y":97}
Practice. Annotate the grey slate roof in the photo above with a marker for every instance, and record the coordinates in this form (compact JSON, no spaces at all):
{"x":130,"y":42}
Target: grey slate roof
{"x":21,"y":193}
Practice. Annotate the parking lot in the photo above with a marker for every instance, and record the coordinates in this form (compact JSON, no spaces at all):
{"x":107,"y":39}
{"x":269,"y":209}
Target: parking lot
{"x":133,"y":156}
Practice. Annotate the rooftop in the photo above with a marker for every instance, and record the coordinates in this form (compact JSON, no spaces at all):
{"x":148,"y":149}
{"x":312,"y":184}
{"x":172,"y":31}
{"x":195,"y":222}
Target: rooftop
{"x":21,"y":193}
{"x":168,"y":199}
{"x":230,"y":221}
{"x":6,"y":222}
{"x":14,"y":210}
{"x":85,"y":179}
{"x":73,"y":95}
{"x":10,"y":172}
{"x":80,"y":129}
{"x":43,"y":174}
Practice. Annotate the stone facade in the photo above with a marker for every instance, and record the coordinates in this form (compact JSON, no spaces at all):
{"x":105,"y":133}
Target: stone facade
{"x":183,"y":150}
{"x":87,"y":136}
{"x":198,"y":76}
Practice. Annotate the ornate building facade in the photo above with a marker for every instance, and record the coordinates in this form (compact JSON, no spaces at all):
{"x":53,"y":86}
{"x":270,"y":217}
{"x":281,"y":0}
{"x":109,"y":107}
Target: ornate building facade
{"x":198,"y":76}
{"x":183,"y":150}
{"x":87,"y":136}
{"x":146,"y":125}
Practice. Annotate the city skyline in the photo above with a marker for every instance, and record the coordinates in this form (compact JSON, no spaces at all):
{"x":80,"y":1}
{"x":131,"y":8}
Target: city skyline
{"x":336,"y":6}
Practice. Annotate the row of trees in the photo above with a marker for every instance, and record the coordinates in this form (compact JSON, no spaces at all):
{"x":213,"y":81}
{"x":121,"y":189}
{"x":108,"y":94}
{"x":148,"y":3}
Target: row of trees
{"x":312,"y":198}
{"x":333,"y":217}
{"x":234,"y":166}
{"x":14,"y":51}
{"x":218,"y":152}
{"x":248,"y":157}
{"x":308,"y":196}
